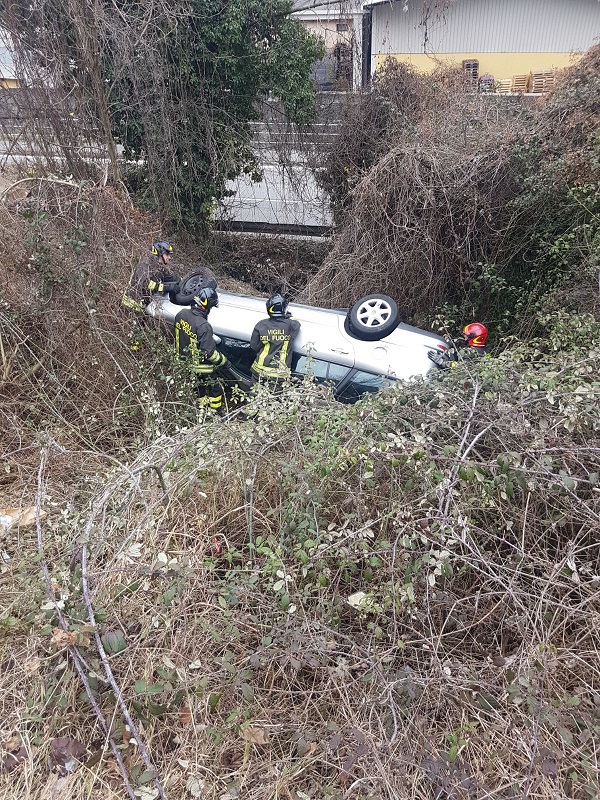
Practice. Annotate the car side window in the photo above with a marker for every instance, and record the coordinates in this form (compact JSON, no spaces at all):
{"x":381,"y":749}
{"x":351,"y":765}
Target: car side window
{"x":362,"y":383}
{"x":337,"y":372}
{"x":239,"y":353}
{"x":321,"y":370}
{"x":305,"y":365}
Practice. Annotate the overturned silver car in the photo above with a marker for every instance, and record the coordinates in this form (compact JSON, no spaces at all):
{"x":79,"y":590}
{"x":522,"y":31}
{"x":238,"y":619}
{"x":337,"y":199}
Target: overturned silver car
{"x":358,"y":350}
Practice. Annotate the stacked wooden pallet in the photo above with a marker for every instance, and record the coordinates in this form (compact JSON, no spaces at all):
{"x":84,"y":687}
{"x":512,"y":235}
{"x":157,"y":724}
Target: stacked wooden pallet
{"x":504,"y":86}
{"x":543,"y":81}
{"x":520,"y":83}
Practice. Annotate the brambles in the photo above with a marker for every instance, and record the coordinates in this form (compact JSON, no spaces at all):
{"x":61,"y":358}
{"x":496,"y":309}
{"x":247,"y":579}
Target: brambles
{"x":483,"y":204}
{"x":386,"y":592}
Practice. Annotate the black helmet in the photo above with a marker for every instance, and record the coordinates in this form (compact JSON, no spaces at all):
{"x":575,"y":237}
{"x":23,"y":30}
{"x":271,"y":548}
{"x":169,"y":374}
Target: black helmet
{"x":277,"y":305}
{"x":162,"y":249}
{"x":205,"y":299}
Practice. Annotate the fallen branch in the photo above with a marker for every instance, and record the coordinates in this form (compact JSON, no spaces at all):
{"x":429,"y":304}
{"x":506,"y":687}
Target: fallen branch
{"x":102,"y":652}
{"x":73,"y":650}
{"x":40,"y":179}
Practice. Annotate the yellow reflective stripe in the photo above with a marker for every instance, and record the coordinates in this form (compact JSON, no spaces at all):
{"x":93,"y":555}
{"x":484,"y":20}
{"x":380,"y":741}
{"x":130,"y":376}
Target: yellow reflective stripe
{"x":217,"y":358}
{"x":215,"y":402}
{"x":260,"y":361}
{"x":283,"y":353}
{"x":177,"y":329}
{"x":271,"y":372}
{"x":204,"y":369}
{"x":129,"y":302}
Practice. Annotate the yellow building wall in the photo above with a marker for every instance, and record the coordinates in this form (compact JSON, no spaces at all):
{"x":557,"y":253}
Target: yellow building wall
{"x":500,"y":65}
{"x":9,"y":83}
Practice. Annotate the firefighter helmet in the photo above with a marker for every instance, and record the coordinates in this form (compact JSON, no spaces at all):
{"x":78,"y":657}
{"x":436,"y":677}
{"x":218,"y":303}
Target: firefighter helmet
{"x":277,"y":305}
{"x":162,"y":249}
{"x":206,"y":299}
{"x":475,"y":334}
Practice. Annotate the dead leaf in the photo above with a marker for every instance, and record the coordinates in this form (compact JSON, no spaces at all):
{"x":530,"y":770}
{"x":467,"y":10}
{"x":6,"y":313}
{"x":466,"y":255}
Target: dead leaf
{"x":363,"y":749}
{"x":12,"y":760}
{"x":18,"y":517}
{"x":358,"y":735}
{"x":335,"y":741}
{"x":185,"y":715}
{"x":349,"y":762}
{"x":63,"y":638}
{"x":549,"y":768}
{"x":65,"y":754}
{"x":304,"y":748}
{"x":195,"y":786}
{"x":258,"y":736}
{"x":546,"y":761}
{"x":126,"y":735}
{"x":13,"y":744}
{"x":32,"y":665}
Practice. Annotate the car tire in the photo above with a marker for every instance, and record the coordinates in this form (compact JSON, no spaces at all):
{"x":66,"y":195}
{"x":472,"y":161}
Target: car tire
{"x":373,"y":317}
{"x":200,"y":279}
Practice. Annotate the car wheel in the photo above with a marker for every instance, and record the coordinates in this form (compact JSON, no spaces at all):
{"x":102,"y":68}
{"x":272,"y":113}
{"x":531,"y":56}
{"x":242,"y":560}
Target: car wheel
{"x":200,"y":279}
{"x":373,"y":317}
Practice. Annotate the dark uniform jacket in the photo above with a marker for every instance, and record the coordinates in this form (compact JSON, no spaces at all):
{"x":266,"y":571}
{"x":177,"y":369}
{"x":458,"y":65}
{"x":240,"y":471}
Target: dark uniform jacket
{"x":151,"y":276}
{"x":194,"y":342}
{"x":272,"y":339}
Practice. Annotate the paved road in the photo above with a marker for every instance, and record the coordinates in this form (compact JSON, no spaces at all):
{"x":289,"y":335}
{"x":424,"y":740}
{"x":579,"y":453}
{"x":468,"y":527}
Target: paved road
{"x":289,"y":198}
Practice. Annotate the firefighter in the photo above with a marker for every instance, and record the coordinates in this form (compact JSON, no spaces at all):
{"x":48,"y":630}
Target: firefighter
{"x":475,"y":336}
{"x":272,"y":340}
{"x":153,"y":275}
{"x":195,"y":343}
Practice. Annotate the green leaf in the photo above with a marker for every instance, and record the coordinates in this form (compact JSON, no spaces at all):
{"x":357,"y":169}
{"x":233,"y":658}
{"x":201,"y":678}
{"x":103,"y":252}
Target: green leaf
{"x":114,"y":642}
{"x":568,"y":481}
{"x":169,"y":595}
{"x":147,"y":776}
{"x":155,"y":688}
{"x":247,"y":692}
{"x":157,"y":710}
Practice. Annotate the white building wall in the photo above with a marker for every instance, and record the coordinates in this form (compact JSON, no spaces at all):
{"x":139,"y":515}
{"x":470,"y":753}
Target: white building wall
{"x":494,"y":26}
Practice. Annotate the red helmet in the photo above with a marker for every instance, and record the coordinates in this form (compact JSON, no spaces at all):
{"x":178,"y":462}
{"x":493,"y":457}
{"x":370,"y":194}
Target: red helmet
{"x":476,"y":334}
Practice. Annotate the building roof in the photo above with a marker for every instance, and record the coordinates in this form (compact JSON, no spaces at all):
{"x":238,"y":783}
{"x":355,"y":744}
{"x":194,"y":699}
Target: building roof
{"x":344,"y":6}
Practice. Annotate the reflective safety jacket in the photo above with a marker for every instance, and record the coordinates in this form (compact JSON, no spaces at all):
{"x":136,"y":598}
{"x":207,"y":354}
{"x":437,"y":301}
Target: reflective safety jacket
{"x":272,"y":339}
{"x":195,"y":343}
{"x":149,"y":277}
